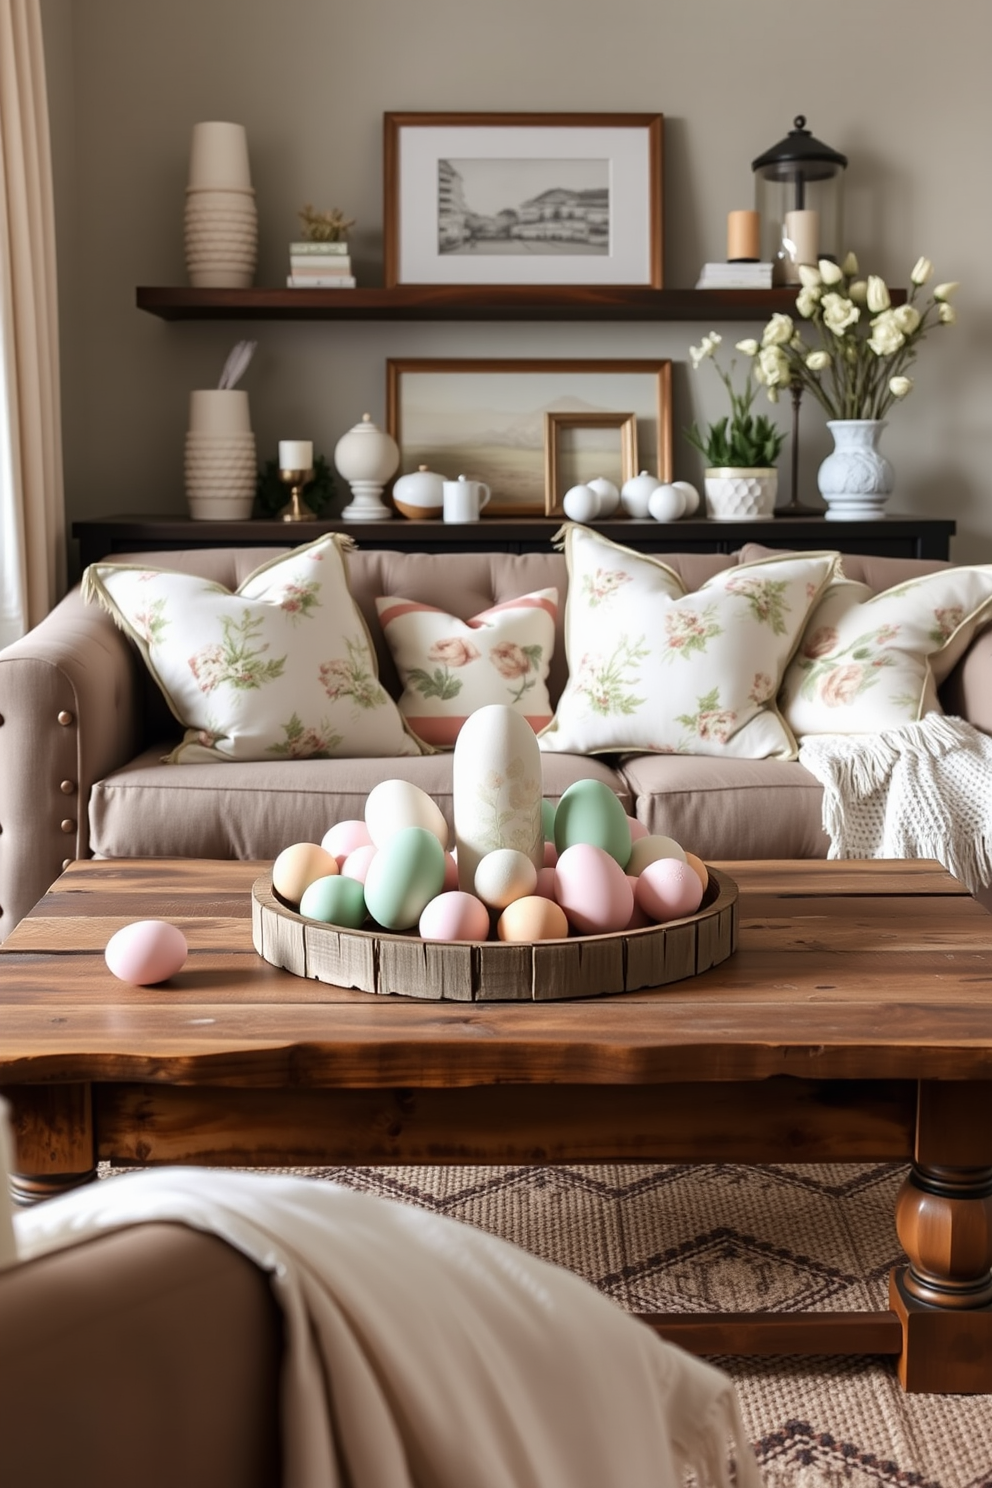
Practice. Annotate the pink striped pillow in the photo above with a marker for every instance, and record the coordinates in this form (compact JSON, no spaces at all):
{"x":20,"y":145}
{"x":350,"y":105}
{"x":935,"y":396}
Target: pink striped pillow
{"x":451,"y":667}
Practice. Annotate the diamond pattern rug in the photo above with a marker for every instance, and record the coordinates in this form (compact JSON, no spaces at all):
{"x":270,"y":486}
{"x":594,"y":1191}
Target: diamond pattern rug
{"x":724,"y":1237}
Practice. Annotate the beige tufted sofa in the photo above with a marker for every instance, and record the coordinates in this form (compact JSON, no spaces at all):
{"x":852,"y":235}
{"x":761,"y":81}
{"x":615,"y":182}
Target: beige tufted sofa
{"x":84,"y":729}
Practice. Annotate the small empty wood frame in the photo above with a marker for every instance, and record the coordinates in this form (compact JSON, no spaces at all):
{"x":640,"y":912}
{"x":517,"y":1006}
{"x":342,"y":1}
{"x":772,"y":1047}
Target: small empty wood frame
{"x":492,"y":970}
{"x":556,"y":482}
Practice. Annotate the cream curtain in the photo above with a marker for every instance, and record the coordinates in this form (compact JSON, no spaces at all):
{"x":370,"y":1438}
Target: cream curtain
{"x":32,"y":514}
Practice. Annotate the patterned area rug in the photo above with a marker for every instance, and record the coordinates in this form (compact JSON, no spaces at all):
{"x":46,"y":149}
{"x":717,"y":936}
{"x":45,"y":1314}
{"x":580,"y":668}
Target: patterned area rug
{"x":724,"y":1237}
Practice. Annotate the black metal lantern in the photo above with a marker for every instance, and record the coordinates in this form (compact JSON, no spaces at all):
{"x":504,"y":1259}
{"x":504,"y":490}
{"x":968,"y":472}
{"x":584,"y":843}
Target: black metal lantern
{"x":798,"y":191}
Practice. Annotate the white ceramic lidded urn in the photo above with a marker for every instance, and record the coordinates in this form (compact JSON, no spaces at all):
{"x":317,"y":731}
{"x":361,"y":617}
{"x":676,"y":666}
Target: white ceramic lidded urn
{"x":221,"y":225}
{"x":496,"y":789}
{"x":367,"y":458}
{"x":419,"y":495}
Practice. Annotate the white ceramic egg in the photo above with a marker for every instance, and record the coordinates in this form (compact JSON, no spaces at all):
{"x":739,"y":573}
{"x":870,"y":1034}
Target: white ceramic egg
{"x":581,"y":504}
{"x":691,"y":496}
{"x":649,"y":849}
{"x":146,"y":952}
{"x":609,"y":496}
{"x":496,"y":787}
{"x":666,"y":503}
{"x":636,"y":493}
{"x":503,"y":876}
{"x":393,"y":805}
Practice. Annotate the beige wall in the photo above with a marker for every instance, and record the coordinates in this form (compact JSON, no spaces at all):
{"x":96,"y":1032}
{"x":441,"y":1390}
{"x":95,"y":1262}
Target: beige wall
{"x":898,"y":86}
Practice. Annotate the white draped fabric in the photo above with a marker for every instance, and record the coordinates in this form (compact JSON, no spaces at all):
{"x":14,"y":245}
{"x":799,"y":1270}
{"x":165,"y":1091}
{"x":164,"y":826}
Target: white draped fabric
{"x":32,"y":515}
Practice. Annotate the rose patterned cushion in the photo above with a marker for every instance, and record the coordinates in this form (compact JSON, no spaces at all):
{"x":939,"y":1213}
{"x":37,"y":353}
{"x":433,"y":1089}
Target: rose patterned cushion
{"x":451,"y":667}
{"x":874,"y":661}
{"x":652,"y":667}
{"x":282,"y":669}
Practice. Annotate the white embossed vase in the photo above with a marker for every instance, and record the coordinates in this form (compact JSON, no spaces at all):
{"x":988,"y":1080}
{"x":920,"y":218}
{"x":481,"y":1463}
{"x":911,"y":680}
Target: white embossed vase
{"x":496,"y":789}
{"x":855,"y":481}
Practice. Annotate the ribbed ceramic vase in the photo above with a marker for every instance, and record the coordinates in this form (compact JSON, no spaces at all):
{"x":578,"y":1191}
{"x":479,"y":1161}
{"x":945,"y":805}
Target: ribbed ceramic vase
{"x":856,"y":480}
{"x":221,"y":218}
{"x":740,"y":495}
{"x":221,"y":465}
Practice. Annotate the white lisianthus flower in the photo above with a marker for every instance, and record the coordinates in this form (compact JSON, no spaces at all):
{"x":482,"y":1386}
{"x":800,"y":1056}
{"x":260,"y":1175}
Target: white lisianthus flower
{"x":807,"y":301}
{"x":774,"y":365}
{"x":797,"y":343}
{"x":947,"y":313}
{"x":839,"y":313}
{"x":705,"y":349}
{"x":858,"y":291}
{"x":886,"y":337}
{"x":878,"y":294}
{"x":945,"y":291}
{"x":748,"y":347}
{"x":900,"y":386}
{"x":907,"y":318}
{"x":773,"y":395}
{"x":778,"y":330}
{"x":818,"y":361}
{"x":922,"y":270}
{"x":850,"y":266}
{"x":830,"y":272}
{"x":809,"y":276}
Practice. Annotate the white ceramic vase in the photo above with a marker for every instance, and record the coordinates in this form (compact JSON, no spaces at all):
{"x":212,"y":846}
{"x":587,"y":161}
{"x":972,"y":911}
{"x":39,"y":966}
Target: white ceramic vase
{"x":855,"y":480}
{"x":367,"y":458}
{"x":221,"y":225}
{"x":738,"y":494}
{"x":496,"y":789}
{"x":220,"y":462}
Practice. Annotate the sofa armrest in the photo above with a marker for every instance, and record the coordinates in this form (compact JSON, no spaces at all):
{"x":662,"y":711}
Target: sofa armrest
{"x":70,"y":712}
{"x":967,"y":693}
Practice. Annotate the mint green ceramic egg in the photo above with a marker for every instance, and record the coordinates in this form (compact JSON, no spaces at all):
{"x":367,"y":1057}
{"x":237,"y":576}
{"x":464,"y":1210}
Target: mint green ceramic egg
{"x":403,"y":877}
{"x":335,"y":901}
{"x":590,"y":812}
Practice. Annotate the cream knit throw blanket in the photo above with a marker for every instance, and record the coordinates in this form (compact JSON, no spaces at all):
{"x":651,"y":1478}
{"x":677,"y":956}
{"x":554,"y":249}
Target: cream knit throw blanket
{"x":922,"y":791}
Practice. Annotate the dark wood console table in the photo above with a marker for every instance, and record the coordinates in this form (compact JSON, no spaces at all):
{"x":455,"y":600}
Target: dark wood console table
{"x":892,"y":537}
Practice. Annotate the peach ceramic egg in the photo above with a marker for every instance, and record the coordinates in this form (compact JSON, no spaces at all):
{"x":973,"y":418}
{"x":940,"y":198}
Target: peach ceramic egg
{"x":593,"y":890}
{"x":504,"y":875}
{"x":146,"y":952}
{"x":699,"y":867}
{"x":532,"y":918}
{"x":356,"y":864}
{"x":393,"y":805}
{"x":647,"y":849}
{"x":454,"y":915}
{"x":668,"y":889}
{"x":296,"y":867}
{"x":344,"y":837}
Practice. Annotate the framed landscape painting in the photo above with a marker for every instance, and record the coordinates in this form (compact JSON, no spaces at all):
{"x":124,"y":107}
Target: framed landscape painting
{"x":485,"y":419}
{"x":523,"y":199}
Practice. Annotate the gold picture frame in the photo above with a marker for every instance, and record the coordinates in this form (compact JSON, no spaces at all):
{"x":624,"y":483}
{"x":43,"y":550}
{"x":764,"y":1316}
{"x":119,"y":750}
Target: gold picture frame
{"x":555,"y":424}
{"x":484,"y":417}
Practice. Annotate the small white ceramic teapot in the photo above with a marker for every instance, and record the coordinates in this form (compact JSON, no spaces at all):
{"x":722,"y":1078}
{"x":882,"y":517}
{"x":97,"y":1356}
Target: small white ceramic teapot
{"x":420,"y":494}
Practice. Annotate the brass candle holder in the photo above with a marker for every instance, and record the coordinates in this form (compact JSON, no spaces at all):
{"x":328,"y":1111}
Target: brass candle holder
{"x":296,"y":509}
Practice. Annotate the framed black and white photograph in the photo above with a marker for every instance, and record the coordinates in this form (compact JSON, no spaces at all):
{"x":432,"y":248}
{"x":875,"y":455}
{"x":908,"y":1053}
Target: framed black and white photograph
{"x":523,"y":199}
{"x":485,"y":418}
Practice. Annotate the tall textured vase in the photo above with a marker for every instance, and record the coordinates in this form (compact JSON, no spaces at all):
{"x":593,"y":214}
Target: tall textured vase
{"x":855,"y":481}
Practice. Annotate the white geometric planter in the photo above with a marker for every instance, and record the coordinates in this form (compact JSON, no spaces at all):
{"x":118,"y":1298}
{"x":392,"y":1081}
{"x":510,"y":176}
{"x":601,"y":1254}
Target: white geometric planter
{"x":738,"y":494}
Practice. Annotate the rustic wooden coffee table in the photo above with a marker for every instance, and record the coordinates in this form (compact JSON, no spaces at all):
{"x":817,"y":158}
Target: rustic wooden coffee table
{"x":853,"y":1024}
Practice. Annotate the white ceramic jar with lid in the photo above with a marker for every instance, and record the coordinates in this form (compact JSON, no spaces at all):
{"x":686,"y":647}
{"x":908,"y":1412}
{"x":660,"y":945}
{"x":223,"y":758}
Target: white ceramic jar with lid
{"x":419,"y":494}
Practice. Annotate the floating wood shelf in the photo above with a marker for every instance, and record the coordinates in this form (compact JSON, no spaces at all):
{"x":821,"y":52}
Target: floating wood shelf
{"x":468,"y":302}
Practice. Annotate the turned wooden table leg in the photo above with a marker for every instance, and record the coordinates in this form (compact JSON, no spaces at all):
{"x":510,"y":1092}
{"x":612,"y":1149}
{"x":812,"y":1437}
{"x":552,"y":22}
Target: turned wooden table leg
{"x":54,"y":1147}
{"x":943,"y":1298}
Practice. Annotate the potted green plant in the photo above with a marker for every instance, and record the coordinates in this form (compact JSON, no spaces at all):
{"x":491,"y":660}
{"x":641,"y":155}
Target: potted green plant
{"x":741,"y":481}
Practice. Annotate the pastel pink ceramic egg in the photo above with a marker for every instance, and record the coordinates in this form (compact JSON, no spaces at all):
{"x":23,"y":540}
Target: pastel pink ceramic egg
{"x":356,"y":864}
{"x":344,"y":837}
{"x":667,"y":889}
{"x":545,"y":883}
{"x":637,"y":829}
{"x":638,"y":919}
{"x":454,"y":915}
{"x":146,"y":952}
{"x":550,"y":855}
{"x":593,"y":890}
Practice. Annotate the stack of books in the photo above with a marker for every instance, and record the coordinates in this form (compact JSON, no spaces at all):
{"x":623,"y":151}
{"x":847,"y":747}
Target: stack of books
{"x":735,"y":276}
{"x":319,"y":266}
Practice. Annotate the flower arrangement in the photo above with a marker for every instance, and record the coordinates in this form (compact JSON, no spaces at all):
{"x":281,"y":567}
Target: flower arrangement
{"x":866,"y":344}
{"x":742,"y":439}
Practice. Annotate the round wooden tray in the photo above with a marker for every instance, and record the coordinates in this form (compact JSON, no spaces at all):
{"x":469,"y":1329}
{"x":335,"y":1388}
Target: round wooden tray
{"x":491,"y":971}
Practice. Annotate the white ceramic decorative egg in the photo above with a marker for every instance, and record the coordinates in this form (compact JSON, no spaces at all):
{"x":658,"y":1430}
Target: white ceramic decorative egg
{"x":666,"y":503}
{"x":581,"y":504}
{"x":636,"y":493}
{"x":496,"y":789}
{"x":691,"y":496}
{"x":609,"y":496}
{"x":393,"y":805}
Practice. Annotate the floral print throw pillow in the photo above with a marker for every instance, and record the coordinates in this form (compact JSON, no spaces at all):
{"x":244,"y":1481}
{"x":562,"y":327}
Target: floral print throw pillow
{"x":652,"y":667}
{"x":874,"y":661}
{"x":451,"y":667}
{"x":282,"y":669}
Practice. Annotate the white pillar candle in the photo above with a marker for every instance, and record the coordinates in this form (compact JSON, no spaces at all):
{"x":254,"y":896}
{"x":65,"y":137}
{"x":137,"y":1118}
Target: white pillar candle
{"x":801,"y":238}
{"x":295,"y":454}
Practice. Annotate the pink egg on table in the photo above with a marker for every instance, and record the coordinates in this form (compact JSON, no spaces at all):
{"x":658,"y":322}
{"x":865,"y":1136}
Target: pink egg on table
{"x":593,"y":890}
{"x":344,"y":837}
{"x":546,"y":883}
{"x":637,"y":828}
{"x":550,"y":854}
{"x":356,"y":864}
{"x":450,"y":872}
{"x":638,"y":919}
{"x":454,"y":915}
{"x":146,"y":952}
{"x":667,"y":889}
